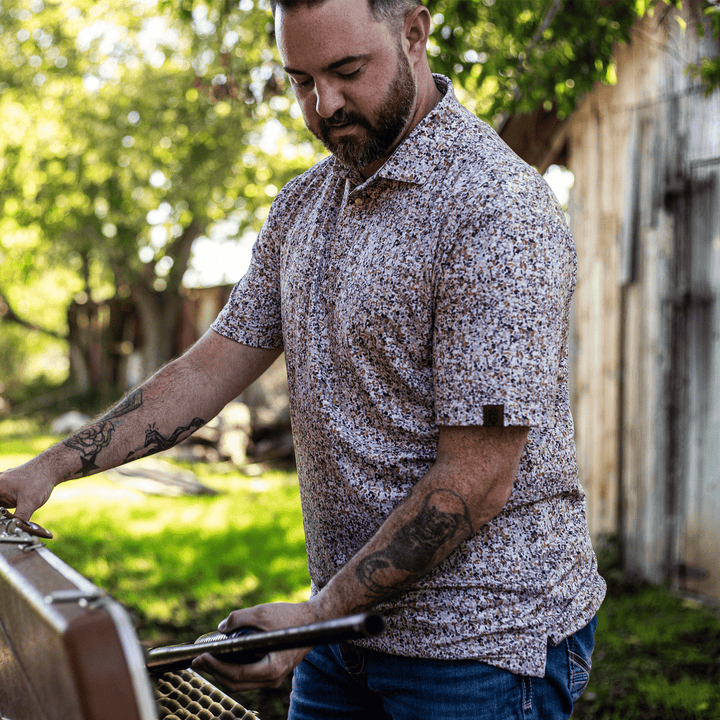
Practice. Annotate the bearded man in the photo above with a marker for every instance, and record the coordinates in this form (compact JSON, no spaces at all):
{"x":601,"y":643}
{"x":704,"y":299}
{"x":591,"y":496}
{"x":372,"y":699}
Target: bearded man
{"x":419,"y":282}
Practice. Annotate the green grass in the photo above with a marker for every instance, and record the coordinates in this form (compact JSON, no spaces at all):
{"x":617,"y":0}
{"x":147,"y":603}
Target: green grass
{"x":181,"y":564}
{"x":657,"y":655}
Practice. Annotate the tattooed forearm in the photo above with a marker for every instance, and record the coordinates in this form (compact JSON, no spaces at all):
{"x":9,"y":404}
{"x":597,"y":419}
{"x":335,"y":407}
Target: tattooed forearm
{"x":90,"y":441}
{"x":441,"y":524}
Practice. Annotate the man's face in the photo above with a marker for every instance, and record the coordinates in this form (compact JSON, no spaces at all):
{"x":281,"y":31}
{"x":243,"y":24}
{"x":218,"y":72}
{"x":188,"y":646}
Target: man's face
{"x":353,"y":82}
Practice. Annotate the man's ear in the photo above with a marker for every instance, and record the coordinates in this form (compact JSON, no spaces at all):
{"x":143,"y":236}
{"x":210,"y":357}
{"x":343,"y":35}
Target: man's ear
{"x":416,"y":31}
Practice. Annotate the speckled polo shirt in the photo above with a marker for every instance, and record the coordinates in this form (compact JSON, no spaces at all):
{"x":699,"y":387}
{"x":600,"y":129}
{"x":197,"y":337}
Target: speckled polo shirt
{"x":435,"y":293}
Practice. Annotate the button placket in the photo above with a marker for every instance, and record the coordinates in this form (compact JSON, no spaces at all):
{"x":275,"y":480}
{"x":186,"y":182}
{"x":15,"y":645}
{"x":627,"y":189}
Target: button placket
{"x":343,"y":241}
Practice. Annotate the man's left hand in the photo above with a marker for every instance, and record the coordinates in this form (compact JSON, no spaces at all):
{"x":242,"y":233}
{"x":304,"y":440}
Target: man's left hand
{"x":275,"y":666}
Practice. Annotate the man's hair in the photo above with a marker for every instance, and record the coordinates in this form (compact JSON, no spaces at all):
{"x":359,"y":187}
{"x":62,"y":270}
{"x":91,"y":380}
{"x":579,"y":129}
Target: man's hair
{"x":389,"y":11}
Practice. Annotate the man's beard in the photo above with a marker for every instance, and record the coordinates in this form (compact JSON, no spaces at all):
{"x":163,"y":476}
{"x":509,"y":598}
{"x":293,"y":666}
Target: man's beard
{"x":377,"y":136}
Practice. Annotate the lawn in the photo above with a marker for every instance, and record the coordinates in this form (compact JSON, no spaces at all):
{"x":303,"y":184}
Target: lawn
{"x":178,"y":564}
{"x":657,"y":657}
{"x":181,"y":564}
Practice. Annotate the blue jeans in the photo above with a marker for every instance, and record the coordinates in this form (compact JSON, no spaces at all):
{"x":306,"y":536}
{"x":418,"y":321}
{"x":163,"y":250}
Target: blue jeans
{"x":344,"y":682}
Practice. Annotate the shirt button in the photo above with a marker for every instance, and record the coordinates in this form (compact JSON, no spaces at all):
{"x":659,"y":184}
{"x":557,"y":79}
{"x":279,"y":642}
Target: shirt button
{"x":358,"y":201}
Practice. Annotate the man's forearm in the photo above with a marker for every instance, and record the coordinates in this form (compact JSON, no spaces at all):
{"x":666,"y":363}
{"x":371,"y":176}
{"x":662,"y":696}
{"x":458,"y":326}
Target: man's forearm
{"x":154,"y":417}
{"x":165,"y":410}
{"x":446,"y":507}
{"x":420,"y":533}
{"x":428,"y":532}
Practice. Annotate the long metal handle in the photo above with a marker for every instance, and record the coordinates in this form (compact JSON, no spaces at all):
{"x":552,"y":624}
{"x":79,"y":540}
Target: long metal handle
{"x":251,"y":647}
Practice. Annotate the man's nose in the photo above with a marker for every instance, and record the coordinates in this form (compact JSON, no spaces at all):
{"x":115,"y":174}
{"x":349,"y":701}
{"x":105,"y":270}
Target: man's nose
{"x":329,"y":99}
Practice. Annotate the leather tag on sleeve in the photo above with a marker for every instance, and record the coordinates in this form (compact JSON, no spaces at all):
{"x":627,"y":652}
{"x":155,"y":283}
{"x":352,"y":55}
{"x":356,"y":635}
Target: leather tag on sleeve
{"x":493,"y":415}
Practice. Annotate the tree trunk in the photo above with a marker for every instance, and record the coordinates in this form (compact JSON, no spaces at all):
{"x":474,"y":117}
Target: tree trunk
{"x":159,"y":314}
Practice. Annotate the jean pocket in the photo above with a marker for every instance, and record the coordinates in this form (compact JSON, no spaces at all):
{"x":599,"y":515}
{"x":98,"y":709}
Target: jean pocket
{"x":579,"y":674}
{"x":580,"y":648}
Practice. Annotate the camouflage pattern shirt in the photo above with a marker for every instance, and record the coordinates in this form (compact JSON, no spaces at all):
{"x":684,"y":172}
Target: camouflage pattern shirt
{"x":437,"y":292}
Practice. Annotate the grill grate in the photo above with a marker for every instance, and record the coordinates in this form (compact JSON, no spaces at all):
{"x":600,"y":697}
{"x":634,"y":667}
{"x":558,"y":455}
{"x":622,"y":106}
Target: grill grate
{"x":185,"y":695}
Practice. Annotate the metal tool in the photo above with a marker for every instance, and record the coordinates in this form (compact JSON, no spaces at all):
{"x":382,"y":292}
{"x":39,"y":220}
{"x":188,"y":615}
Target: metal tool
{"x":248,"y":645}
{"x":10,"y":525}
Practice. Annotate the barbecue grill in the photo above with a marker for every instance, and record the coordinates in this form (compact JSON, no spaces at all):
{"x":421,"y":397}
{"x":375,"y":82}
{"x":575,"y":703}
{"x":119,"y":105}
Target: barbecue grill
{"x":68,"y":651}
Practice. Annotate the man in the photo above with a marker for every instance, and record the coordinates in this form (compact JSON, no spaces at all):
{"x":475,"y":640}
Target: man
{"x":419,"y":282}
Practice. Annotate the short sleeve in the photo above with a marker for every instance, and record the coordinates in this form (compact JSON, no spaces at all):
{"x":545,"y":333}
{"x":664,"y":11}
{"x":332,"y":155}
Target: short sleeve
{"x":252,"y":314}
{"x":503,"y":287}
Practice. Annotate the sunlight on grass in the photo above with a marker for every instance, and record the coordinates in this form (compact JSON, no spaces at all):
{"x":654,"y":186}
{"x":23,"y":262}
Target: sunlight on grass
{"x":179,"y":564}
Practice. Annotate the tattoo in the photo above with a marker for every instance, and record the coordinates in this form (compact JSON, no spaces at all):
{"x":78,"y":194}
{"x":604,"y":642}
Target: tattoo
{"x":132,"y":402}
{"x":444,"y":518}
{"x":90,"y":441}
{"x":155,"y":442}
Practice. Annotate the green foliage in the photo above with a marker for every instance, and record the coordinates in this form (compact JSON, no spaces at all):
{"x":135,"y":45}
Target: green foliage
{"x":124,"y":153}
{"x":707,"y":70}
{"x":513,"y":55}
{"x":118,"y":149}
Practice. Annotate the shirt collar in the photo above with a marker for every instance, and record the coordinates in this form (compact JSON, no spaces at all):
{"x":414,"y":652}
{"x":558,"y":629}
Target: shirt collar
{"x":421,"y":151}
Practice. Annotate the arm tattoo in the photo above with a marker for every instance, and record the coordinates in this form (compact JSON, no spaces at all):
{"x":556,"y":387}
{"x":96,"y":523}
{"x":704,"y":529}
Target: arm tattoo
{"x":94,"y":438}
{"x":132,"y":402}
{"x":443,"y":519}
{"x":155,"y":442}
{"x":90,"y":441}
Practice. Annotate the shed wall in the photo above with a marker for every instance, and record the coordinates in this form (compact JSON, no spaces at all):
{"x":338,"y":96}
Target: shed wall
{"x":646,"y":335}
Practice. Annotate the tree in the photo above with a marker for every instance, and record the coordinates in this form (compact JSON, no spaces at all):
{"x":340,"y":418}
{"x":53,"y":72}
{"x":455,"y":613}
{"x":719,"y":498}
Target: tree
{"x":117,"y":156}
{"x":127,"y":129}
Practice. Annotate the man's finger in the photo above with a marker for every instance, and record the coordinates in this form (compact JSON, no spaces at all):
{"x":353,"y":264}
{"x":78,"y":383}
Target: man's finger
{"x":24,"y":512}
{"x":241,"y":677}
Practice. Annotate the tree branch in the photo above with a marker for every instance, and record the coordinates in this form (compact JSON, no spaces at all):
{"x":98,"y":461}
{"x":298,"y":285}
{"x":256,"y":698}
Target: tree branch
{"x":8,"y":314}
{"x":180,"y":250}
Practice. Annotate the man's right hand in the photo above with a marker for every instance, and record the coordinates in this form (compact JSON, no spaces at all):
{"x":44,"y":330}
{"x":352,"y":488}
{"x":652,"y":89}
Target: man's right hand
{"x":25,"y":488}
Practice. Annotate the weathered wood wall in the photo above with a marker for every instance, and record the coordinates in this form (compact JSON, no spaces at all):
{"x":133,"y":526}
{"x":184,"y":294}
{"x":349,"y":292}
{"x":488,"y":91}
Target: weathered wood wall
{"x":646,"y":336}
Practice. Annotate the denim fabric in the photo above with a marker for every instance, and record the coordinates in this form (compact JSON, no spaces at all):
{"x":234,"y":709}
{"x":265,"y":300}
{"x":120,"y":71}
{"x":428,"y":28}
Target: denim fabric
{"x":344,"y":682}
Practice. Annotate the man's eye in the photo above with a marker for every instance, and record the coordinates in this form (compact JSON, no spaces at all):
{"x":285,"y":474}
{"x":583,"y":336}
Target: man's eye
{"x":303,"y":83}
{"x":350,"y":74}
